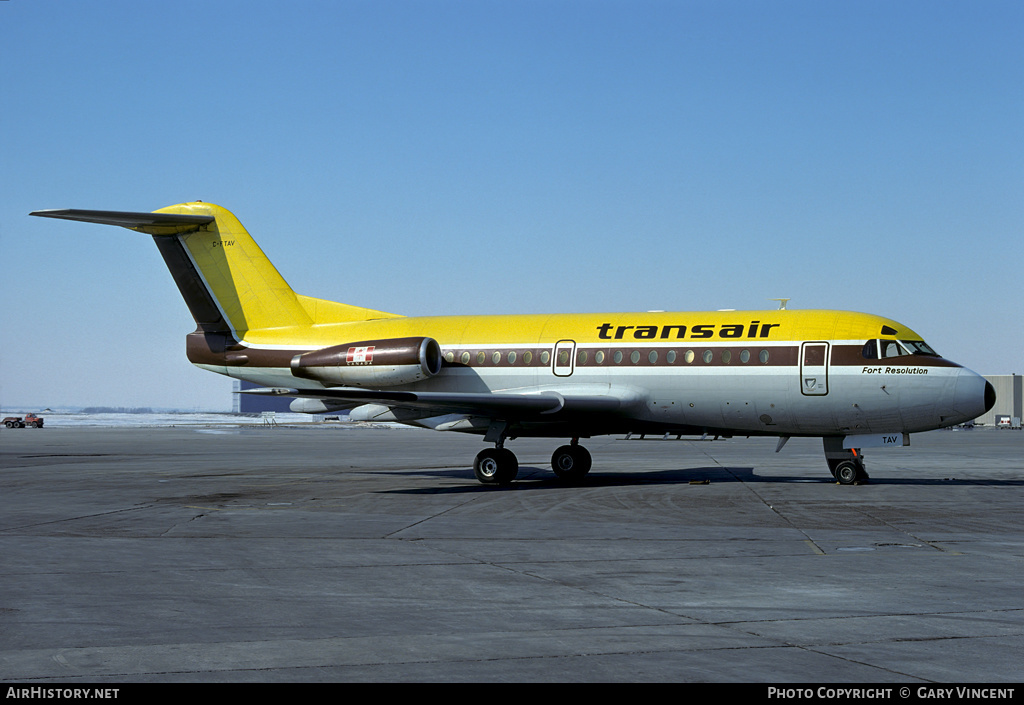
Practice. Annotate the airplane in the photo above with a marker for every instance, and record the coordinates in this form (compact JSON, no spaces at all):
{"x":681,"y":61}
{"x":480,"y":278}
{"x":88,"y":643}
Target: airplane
{"x":855,"y":380}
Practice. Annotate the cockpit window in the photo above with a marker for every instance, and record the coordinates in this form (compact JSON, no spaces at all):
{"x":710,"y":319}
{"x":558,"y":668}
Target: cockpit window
{"x":878,"y":349}
{"x":919,"y":347}
{"x":892,"y":348}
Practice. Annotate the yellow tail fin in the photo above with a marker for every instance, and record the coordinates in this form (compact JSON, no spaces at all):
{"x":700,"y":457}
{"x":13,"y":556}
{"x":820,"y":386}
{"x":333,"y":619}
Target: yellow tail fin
{"x":247,"y":289}
{"x":227,"y":282}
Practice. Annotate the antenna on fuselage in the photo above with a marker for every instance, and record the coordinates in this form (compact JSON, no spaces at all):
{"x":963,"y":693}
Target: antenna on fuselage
{"x":782,"y":303}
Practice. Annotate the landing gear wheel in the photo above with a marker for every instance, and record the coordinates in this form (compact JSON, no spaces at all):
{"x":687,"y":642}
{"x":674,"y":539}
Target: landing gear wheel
{"x":847,"y":472}
{"x":571,"y":462}
{"x":496,"y":466}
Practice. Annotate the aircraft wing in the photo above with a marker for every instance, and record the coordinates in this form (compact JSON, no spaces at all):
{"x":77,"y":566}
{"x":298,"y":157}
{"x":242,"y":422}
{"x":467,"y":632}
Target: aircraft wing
{"x":482,"y":404}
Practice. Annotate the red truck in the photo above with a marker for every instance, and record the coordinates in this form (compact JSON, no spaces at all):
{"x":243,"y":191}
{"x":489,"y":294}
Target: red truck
{"x":30,"y":420}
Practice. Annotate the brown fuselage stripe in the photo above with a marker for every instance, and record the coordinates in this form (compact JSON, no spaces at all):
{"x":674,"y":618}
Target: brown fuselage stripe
{"x":219,"y":350}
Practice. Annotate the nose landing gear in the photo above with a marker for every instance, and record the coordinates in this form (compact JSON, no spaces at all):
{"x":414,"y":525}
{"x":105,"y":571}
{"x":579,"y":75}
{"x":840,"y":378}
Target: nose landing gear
{"x":845,"y":464}
{"x":849,"y":472}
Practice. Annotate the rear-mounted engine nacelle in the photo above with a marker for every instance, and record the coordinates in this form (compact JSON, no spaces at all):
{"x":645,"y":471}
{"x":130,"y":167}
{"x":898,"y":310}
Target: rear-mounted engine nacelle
{"x":371,"y":363}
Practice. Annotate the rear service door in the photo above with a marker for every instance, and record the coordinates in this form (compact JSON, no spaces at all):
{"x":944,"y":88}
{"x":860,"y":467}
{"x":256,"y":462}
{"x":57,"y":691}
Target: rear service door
{"x":565,"y":358}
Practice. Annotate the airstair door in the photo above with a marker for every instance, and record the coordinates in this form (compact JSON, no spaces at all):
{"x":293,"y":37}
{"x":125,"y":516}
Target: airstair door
{"x":814,"y":369}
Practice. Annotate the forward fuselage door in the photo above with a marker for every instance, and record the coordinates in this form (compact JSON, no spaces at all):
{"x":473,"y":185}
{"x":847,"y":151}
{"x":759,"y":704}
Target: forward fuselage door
{"x":814,"y":369}
{"x":564,"y":358}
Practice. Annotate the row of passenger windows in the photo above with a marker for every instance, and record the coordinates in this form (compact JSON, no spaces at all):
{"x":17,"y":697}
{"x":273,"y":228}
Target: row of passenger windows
{"x":600,"y":357}
{"x":525,"y":357}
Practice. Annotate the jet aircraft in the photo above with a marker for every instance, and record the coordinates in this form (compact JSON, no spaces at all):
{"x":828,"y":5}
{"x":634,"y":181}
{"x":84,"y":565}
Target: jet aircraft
{"x":853,"y":379}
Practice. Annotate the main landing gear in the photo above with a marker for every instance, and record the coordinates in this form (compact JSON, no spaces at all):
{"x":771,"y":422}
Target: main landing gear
{"x":496,"y":466}
{"x":571,"y":462}
{"x":845,"y":464}
{"x":499,"y":466}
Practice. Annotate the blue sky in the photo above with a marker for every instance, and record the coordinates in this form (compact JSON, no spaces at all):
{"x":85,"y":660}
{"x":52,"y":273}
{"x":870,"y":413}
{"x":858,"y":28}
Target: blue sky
{"x":429,"y":157}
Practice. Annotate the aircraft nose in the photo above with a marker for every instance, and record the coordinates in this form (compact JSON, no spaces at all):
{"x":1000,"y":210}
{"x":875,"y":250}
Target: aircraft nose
{"x":990,"y":396}
{"x":973,"y":395}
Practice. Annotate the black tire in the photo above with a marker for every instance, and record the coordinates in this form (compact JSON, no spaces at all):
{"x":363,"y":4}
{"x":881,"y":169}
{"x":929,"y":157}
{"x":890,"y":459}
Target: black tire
{"x":847,"y":472}
{"x":496,"y":466}
{"x":571,"y":462}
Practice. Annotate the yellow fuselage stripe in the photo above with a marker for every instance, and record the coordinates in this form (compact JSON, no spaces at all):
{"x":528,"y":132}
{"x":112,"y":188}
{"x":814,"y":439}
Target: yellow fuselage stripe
{"x":600,"y":329}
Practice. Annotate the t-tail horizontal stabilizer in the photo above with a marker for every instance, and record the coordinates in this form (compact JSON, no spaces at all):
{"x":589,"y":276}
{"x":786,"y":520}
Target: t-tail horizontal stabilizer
{"x":152,"y":223}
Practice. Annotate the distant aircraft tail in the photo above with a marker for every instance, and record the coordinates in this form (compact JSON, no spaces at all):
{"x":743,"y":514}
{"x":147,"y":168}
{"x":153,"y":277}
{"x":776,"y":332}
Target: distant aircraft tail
{"x":227,"y":282}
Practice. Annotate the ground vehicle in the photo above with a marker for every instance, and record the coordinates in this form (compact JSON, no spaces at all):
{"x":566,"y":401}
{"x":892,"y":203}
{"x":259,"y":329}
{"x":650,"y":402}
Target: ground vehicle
{"x":1006,"y":421}
{"x":30,"y":420}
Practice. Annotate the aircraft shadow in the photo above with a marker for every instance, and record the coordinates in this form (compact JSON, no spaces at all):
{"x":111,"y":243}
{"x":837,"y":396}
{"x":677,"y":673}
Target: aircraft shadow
{"x":541,"y":478}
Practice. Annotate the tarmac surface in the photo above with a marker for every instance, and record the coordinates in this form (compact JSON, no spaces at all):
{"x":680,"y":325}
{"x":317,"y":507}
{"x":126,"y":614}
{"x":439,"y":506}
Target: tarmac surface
{"x":324,"y":553}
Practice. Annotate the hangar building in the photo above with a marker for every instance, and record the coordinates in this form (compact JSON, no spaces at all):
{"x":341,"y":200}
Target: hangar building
{"x":1009,"y":398}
